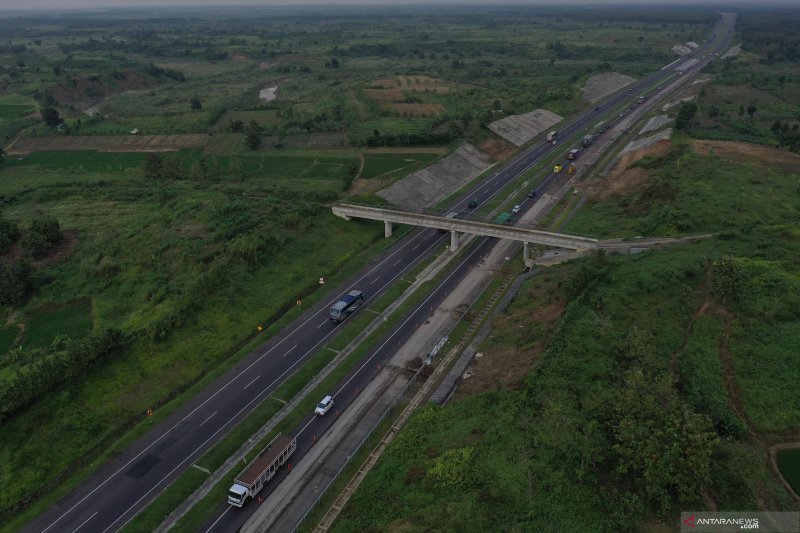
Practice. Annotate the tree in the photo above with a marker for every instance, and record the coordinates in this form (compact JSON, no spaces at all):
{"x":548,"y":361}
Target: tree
{"x":173,"y":167}
{"x":15,"y":282}
{"x":685,"y":115}
{"x":9,"y":233}
{"x":51,"y":117}
{"x":48,"y":227}
{"x":153,"y":167}
{"x":751,"y":110}
{"x":42,"y":235}
{"x":196,"y":103}
{"x":252,"y":136}
{"x":663,"y":448}
{"x":235,"y":126}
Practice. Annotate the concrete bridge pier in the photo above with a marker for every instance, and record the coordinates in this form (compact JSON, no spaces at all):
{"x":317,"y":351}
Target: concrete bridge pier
{"x":453,"y":241}
{"x":526,"y":255}
{"x":387,"y":229}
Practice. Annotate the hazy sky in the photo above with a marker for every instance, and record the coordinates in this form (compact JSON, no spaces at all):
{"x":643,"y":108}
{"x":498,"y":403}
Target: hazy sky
{"x":22,"y":5}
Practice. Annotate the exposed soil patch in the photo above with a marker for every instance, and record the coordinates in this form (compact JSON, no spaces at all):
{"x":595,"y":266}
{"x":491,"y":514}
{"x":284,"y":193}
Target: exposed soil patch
{"x":268,"y":94}
{"x":393,"y":90}
{"x":502,"y":367}
{"x":747,"y":153}
{"x":618,"y":184}
{"x":366,"y":186}
{"x":497,"y":148}
{"x":414,"y":83}
{"x":384,"y":95}
{"x":657,"y":149}
{"x":507,"y":366}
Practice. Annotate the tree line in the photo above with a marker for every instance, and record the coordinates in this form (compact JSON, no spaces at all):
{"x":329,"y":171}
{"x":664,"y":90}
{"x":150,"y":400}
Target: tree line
{"x":42,"y":235}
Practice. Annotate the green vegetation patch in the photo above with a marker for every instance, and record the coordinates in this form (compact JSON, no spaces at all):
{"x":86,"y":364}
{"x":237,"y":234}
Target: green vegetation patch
{"x":362,"y":131}
{"x":80,"y":160}
{"x":8,"y":335}
{"x":44,"y":325}
{"x":789,"y":464}
{"x":380,"y":164}
{"x":9,"y":111}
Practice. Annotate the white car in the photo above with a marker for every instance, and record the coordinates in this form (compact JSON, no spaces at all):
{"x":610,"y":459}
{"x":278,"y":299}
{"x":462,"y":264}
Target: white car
{"x":516,"y":209}
{"x":324,"y":406}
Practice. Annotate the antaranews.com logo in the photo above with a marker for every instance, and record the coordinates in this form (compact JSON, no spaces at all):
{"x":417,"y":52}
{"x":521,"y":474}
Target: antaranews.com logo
{"x":775,"y":522}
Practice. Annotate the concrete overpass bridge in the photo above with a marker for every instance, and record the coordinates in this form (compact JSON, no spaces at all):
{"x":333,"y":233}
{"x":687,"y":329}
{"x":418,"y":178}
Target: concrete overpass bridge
{"x":579,"y":246}
{"x":456,"y":225}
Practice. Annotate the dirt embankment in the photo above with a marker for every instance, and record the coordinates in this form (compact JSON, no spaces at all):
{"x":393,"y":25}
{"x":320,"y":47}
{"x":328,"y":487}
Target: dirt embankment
{"x":741,"y":152}
{"x":625,"y":180}
{"x":497,"y":148}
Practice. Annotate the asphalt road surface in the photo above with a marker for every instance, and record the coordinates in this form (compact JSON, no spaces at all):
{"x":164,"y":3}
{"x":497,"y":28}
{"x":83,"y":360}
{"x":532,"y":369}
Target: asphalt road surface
{"x":115,"y":493}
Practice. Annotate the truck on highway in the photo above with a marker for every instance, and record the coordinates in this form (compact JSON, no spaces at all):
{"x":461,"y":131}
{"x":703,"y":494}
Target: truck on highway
{"x":587,"y":140}
{"x":346,"y":305}
{"x":572,"y":154}
{"x":552,"y":136}
{"x":266,"y":464}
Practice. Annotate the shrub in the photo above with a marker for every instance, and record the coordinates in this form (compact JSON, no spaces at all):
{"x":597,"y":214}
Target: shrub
{"x":42,"y":235}
{"x":9,"y":233}
{"x":15,"y":282}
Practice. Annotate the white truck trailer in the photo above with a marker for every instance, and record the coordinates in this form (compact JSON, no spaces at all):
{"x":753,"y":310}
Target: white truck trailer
{"x":261,"y":469}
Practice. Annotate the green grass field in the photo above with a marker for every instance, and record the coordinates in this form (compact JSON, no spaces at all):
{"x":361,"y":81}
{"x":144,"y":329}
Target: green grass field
{"x":80,"y":161}
{"x":390,"y":126}
{"x":9,"y":111}
{"x":380,"y":164}
{"x":8,"y":335}
{"x":42,"y":326}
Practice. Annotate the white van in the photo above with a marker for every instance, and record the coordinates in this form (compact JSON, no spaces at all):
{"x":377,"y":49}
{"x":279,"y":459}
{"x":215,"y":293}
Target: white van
{"x":324,"y":406}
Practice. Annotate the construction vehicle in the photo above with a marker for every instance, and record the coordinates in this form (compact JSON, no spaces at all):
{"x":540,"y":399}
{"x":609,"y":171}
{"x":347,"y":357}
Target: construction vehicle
{"x":556,"y":169}
{"x":571,"y":169}
{"x":266,"y":464}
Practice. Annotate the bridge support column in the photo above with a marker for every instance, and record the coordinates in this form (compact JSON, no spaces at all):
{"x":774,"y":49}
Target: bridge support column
{"x":453,"y":241}
{"x":387,"y":229}
{"x":526,"y":255}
